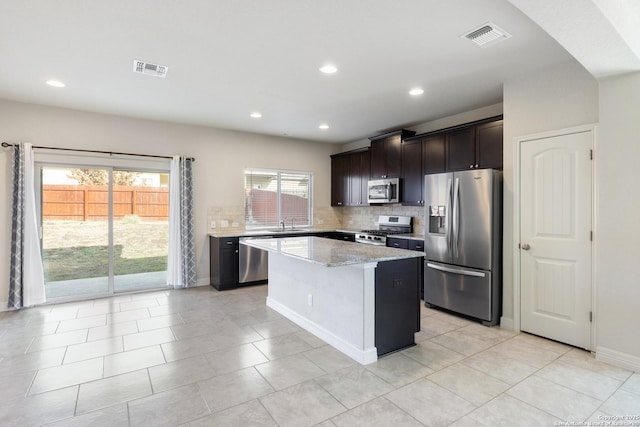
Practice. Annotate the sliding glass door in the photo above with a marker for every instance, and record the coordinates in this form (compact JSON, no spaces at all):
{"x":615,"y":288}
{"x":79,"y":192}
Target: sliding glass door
{"x":103,"y":230}
{"x":140,"y":229}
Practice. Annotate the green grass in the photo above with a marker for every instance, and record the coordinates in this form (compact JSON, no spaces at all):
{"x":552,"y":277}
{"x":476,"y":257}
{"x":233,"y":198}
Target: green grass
{"x":79,"y":250}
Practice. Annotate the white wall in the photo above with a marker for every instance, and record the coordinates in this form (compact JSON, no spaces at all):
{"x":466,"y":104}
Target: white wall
{"x":221,"y":156}
{"x":618,"y":212}
{"x":557,"y":98}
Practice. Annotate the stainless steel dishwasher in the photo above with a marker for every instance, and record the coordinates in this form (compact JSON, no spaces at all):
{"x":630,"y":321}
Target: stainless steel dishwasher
{"x":253,"y":264}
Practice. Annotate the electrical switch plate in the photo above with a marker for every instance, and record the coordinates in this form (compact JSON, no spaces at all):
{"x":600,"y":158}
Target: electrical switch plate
{"x":212,"y":224}
{"x":310,"y":300}
{"x":224,"y":223}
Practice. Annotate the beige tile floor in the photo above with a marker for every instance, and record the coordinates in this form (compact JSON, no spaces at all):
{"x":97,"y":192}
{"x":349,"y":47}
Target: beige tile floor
{"x":200,"y":357}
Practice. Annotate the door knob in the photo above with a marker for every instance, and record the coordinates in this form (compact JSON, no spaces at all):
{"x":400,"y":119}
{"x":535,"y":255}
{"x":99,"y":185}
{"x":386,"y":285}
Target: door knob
{"x":526,"y":246}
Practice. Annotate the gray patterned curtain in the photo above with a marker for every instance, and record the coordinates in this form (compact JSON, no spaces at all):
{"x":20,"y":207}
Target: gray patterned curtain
{"x":26,"y":276}
{"x":181,"y":264}
{"x":17,"y":214}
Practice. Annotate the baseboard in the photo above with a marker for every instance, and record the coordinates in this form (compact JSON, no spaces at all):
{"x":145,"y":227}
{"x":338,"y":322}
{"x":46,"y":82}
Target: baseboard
{"x":4,"y":306}
{"x":203,"y":281}
{"x":361,"y":356}
{"x":617,"y":358}
{"x":506,"y":323}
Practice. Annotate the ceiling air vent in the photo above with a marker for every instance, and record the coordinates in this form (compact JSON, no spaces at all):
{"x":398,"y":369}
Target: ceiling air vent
{"x":487,"y":34}
{"x":150,"y":69}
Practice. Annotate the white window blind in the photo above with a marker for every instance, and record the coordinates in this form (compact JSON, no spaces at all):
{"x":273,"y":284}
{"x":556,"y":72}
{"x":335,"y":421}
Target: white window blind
{"x":275,"y":196}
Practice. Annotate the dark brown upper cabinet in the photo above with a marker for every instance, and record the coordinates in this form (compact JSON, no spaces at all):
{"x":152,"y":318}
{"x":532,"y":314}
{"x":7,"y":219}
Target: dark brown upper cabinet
{"x":489,"y":145}
{"x":386,"y":154}
{"x":359,"y":171}
{"x":475,"y":147}
{"x":349,"y":176}
{"x":339,"y":179}
{"x":420,"y":156}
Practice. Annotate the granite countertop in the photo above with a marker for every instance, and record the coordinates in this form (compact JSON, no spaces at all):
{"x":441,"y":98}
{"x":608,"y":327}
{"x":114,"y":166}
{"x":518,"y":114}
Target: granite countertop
{"x":330,"y":253}
{"x":274,"y":232}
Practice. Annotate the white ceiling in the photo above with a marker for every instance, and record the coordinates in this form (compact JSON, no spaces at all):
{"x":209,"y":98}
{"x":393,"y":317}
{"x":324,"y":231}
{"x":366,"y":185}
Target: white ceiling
{"x":228,"y":58}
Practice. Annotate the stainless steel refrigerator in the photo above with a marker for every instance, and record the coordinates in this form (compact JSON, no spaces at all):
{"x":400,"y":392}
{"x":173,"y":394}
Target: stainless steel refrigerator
{"x":463,"y":243}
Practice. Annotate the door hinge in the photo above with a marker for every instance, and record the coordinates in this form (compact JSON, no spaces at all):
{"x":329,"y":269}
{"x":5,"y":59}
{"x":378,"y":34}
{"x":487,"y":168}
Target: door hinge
{"x":591,"y":316}
{"x":591,"y":154}
{"x":591,"y":235}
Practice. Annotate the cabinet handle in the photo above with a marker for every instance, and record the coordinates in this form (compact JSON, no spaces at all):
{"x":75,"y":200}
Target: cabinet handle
{"x":236,"y":251}
{"x":229,"y":243}
{"x":418,"y":247}
{"x":470,"y":166}
{"x":476,"y":166}
{"x":339,"y":203}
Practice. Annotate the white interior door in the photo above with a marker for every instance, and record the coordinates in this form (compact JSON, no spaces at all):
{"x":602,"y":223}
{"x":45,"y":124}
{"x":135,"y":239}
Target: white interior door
{"x":555,"y":237}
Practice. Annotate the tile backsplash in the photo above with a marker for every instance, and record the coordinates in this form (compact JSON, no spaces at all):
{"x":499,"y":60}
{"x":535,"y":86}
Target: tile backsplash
{"x":366,"y":217}
{"x":231,"y":218}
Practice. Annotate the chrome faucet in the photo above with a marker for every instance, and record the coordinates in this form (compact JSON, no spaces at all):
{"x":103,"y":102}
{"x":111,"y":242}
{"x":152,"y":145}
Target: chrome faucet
{"x":282,"y":223}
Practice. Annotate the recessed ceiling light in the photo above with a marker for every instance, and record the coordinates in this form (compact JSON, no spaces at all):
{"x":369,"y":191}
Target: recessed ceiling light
{"x":55,"y":83}
{"x":255,"y":115}
{"x":323,"y":126}
{"x":416,"y":91}
{"x":328,"y":69}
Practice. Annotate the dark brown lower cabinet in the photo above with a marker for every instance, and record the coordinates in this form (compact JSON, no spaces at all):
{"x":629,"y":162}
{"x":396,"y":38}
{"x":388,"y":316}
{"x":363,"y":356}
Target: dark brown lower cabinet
{"x":223,"y":262}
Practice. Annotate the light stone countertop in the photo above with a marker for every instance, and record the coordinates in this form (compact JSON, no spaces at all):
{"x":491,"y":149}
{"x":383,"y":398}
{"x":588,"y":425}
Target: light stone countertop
{"x":274,"y":232}
{"x":330,"y":253}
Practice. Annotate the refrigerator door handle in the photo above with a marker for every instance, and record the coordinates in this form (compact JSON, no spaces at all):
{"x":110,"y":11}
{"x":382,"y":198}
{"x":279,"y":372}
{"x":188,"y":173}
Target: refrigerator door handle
{"x":456,"y":270}
{"x":456,"y":217}
{"x":448,"y":217}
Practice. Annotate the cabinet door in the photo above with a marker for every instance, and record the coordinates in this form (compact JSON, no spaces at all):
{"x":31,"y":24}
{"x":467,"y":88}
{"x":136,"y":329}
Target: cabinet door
{"x":378,"y":158}
{"x":224,"y":262}
{"x":339,"y":180}
{"x":461,"y":149}
{"x":365,"y":174}
{"x":386,"y":157}
{"x":358,"y":178}
{"x":394,"y":156}
{"x":229,"y":266}
{"x":412,"y":175}
{"x":489,"y":145}
{"x":433,"y":154}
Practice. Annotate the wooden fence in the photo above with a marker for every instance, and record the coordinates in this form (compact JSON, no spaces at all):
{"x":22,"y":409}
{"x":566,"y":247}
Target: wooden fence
{"x":91,"y":202}
{"x":263,"y":207}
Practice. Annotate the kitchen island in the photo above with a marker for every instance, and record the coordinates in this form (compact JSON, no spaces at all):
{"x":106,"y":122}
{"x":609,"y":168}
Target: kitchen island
{"x":361,"y":299}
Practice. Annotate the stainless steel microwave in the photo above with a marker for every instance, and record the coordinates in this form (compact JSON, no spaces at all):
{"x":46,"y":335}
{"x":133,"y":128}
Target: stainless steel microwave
{"x":384,"y":190}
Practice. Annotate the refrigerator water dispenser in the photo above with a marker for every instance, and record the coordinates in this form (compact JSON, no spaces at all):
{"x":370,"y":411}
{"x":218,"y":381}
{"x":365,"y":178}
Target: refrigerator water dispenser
{"x":437,"y":219}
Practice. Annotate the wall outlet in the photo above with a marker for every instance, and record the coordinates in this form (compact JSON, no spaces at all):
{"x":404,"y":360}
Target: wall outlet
{"x":310,"y":300}
{"x":212,"y":224}
{"x":321,"y":221}
{"x":235,"y":224}
{"x":224,"y":223}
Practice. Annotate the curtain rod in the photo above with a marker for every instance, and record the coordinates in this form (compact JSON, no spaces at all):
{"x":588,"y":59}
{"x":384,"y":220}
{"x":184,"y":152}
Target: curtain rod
{"x":111,"y":153}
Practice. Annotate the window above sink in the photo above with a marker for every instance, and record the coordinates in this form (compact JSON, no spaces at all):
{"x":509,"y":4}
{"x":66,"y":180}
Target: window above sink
{"x":278,"y":201}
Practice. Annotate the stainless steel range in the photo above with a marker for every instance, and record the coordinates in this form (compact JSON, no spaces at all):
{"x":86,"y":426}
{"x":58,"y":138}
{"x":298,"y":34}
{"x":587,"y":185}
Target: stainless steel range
{"x":387,"y":225}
